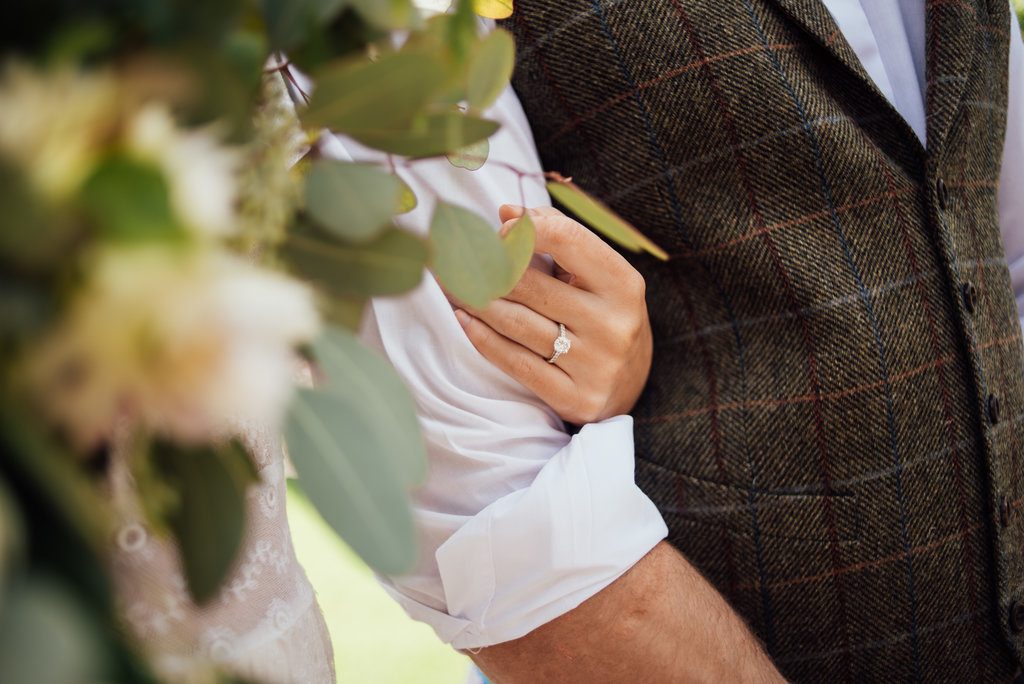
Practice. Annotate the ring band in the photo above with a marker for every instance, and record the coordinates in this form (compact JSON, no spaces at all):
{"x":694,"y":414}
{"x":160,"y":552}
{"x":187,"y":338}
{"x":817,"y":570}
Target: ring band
{"x":562,"y":344}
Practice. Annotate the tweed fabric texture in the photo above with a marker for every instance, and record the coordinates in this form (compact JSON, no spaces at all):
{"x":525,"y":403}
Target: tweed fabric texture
{"x":817,"y":428}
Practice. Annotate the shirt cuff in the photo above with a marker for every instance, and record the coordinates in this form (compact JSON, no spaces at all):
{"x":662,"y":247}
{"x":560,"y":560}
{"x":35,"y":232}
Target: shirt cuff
{"x":539,"y":552}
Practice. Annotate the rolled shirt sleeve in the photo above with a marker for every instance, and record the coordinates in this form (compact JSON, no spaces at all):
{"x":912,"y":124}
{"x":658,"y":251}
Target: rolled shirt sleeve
{"x":518,"y":522}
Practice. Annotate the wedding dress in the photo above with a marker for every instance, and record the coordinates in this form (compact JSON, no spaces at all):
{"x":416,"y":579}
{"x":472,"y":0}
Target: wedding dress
{"x":265,"y":625}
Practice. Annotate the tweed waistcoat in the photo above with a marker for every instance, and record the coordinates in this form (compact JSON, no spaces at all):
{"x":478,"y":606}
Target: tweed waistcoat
{"x":833,"y":425}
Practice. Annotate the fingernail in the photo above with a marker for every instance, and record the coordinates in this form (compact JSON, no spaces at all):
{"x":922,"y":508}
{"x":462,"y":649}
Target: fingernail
{"x":464,"y":318}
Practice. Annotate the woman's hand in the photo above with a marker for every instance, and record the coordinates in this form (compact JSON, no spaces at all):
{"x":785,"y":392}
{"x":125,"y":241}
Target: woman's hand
{"x":599,"y":298}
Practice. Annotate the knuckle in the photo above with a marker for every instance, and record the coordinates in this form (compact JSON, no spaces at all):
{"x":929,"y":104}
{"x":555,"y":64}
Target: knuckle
{"x":623,"y":333}
{"x":521,"y":368}
{"x":479,"y":335}
{"x":592,"y":406}
{"x":634,"y":284}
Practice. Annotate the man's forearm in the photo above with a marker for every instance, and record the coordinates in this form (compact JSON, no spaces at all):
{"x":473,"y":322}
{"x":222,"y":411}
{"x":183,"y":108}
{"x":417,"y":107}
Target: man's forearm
{"x":659,"y":622}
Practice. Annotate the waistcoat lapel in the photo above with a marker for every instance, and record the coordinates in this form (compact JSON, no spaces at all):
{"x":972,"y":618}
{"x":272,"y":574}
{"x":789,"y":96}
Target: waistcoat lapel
{"x":814,"y":18}
{"x":951,"y":28}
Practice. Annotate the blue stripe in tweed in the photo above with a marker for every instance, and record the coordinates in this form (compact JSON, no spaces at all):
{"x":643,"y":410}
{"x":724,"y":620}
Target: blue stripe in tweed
{"x":766,"y":602}
{"x":826,"y":191}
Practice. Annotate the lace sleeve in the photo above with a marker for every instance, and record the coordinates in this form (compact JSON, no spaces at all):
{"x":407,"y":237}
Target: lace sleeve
{"x":265,"y":624}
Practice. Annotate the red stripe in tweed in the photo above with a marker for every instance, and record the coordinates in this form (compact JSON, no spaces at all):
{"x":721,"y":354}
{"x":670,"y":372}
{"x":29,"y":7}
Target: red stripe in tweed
{"x":794,"y":306}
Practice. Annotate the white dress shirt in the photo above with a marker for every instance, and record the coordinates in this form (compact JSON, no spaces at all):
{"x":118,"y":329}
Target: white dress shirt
{"x":518,"y":522}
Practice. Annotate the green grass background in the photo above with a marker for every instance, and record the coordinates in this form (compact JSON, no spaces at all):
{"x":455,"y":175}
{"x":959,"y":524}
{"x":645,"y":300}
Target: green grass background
{"x":375,"y":642}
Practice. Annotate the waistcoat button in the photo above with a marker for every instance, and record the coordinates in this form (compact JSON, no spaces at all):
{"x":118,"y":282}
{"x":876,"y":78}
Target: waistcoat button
{"x":1005,"y":511}
{"x":1017,"y":616}
{"x":941,"y":193}
{"x":970,"y":296}
{"x":993,"y":409}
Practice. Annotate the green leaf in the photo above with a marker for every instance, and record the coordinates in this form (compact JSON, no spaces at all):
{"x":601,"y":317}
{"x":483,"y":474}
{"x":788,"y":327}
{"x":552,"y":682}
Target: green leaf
{"x":33,"y":236}
{"x":387,"y":265}
{"x":469,"y":257}
{"x":209,"y":520}
{"x":601,"y":218}
{"x":519,"y":243}
{"x":490,"y":69}
{"x":128,"y":200}
{"x":290,"y":22}
{"x":387,"y":14}
{"x":47,"y":635}
{"x":353,"y":96}
{"x":352,"y":201}
{"x":80,"y":42}
{"x":346,"y":312}
{"x":471,"y":157}
{"x":407,"y":198}
{"x":461,"y":32}
{"x":493,"y":9}
{"x":432,"y":135}
{"x":356,"y":447}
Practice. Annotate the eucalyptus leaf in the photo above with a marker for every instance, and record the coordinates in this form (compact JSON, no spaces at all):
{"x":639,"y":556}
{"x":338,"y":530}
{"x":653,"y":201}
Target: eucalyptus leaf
{"x":493,"y":9}
{"x":440,"y":36}
{"x":461,"y":30}
{"x":469,"y":257}
{"x":290,"y":22}
{"x":209,"y":520}
{"x":346,"y":312}
{"x":356,"y":446}
{"x":352,"y":201}
{"x":129,"y":201}
{"x":351,"y":369}
{"x":519,"y":243}
{"x":357,"y":95}
{"x":47,"y":635}
{"x":407,"y":198}
{"x":601,"y":218}
{"x":471,"y":157}
{"x":490,"y":69}
{"x":387,"y":14}
{"x":389,"y":264}
{"x":432,"y":135}
{"x":34,"y":237}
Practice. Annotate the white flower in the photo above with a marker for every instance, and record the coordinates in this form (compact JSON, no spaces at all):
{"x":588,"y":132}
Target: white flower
{"x":182,"y":343}
{"x":56,"y":124}
{"x":431,"y":7}
{"x":200,"y":171}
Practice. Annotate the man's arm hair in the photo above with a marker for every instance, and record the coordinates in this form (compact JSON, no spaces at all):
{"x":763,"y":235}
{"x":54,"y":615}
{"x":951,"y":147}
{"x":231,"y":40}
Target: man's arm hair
{"x":659,"y":622}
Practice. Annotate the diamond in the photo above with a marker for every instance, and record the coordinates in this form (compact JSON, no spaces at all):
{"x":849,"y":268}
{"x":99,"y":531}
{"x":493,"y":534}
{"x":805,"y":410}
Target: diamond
{"x":562,"y":345}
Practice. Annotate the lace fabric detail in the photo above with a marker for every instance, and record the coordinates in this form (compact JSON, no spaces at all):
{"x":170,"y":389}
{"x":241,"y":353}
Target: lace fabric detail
{"x":265,"y":625}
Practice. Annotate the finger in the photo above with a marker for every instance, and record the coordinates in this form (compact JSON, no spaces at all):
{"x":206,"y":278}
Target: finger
{"x":510,"y":212}
{"x":554,"y":299}
{"x":521,"y":324}
{"x":549,"y":382}
{"x":595,"y":266}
